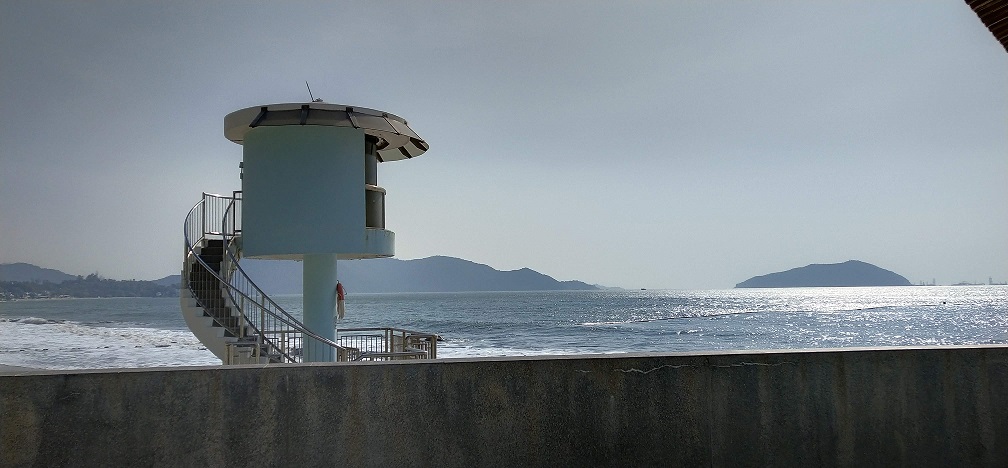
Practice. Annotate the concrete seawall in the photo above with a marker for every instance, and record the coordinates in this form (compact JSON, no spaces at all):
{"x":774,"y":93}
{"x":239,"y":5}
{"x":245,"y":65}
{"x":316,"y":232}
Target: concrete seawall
{"x":881,"y":407}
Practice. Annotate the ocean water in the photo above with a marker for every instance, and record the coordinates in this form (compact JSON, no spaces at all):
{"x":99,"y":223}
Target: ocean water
{"x":150,"y":332}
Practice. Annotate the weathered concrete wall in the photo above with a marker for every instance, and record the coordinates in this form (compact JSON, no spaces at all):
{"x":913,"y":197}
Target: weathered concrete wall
{"x":891,"y":407}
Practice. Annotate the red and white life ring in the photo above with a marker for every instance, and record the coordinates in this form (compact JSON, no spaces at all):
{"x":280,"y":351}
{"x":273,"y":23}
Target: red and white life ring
{"x":340,"y":301}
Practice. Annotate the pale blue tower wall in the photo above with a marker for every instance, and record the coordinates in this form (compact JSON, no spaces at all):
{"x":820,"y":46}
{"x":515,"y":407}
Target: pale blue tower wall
{"x":303,"y":191}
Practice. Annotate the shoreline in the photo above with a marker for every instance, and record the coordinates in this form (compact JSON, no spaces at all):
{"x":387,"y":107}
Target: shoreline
{"x":63,"y":298}
{"x":7,"y":369}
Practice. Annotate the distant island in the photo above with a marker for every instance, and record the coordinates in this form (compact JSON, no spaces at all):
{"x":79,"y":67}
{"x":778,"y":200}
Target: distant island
{"x":384,"y":275}
{"x":849,"y":273}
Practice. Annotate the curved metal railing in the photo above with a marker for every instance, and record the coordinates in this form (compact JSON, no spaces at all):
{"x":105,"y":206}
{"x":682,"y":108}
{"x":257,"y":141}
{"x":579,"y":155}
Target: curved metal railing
{"x":261,"y":327}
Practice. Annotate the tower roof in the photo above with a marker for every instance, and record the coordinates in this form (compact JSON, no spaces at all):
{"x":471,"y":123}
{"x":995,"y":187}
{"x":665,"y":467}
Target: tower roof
{"x":395,"y":139}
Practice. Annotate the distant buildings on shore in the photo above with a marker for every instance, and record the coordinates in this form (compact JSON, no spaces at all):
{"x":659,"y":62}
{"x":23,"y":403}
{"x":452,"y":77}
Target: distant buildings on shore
{"x":990,"y":282}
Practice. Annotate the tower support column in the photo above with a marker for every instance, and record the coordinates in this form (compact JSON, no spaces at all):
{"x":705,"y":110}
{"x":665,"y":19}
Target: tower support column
{"x":319,"y":296}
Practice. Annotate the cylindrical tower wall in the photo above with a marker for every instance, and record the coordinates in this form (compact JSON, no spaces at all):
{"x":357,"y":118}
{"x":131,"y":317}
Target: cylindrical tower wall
{"x":302,"y":191}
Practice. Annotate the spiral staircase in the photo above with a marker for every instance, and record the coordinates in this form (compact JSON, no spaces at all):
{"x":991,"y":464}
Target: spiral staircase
{"x":240,"y":324}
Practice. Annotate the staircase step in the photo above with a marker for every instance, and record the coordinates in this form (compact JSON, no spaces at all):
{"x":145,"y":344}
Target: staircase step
{"x":209,"y":286}
{"x":226,"y":321}
{"x":199,"y":268}
{"x":218,"y":308}
{"x":211,"y":301}
{"x":213,"y":247}
{"x":203,"y":276}
{"x":213,"y":262}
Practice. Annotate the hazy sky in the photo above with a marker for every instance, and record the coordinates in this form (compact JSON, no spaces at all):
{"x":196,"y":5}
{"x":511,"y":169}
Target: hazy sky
{"x":635,"y":144}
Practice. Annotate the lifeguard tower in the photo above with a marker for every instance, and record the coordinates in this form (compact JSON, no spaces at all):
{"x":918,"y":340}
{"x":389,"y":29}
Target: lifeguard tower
{"x":309,"y":178}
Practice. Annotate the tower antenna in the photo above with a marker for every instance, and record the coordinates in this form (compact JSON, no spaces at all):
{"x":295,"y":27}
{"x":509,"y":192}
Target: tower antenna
{"x":310,"y":94}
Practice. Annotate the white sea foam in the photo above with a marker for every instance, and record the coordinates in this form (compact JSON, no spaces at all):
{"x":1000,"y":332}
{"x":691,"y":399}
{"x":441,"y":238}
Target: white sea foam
{"x":50,"y":344}
{"x":32,"y":321}
{"x":464,"y":351}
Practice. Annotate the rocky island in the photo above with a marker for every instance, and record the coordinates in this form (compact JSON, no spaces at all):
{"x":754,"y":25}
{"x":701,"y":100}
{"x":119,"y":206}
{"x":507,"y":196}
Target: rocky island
{"x":849,"y":273}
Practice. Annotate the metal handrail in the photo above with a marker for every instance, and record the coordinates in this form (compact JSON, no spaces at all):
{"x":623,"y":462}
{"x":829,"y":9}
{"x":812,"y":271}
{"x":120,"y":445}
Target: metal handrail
{"x":245,"y":296}
{"x":271,"y":309}
{"x":282,"y":336}
{"x":388,"y":340}
{"x":192,"y":256}
{"x":380,"y":356}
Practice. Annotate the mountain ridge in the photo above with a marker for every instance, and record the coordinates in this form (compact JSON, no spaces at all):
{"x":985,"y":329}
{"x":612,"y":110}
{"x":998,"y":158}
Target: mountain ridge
{"x":27,"y":272}
{"x":430,"y":274}
{"x":384,"y":275}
